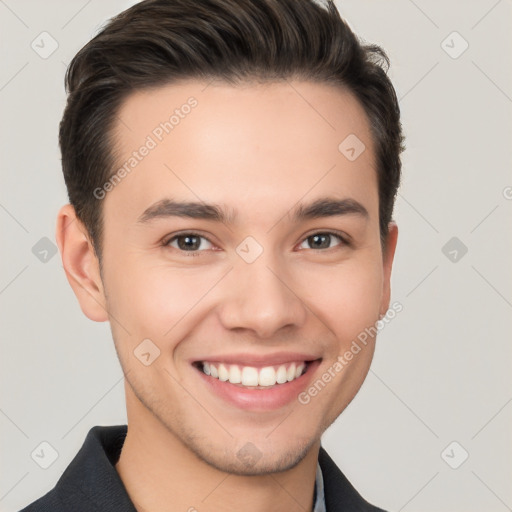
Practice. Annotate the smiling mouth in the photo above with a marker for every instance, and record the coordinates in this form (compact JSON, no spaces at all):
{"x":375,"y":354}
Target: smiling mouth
{"x":252,"y":377}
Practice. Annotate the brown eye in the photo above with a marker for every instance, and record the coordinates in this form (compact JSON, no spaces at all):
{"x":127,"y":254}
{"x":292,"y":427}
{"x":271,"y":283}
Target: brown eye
{"x":188,"y":242}
{"x":323,"y":240}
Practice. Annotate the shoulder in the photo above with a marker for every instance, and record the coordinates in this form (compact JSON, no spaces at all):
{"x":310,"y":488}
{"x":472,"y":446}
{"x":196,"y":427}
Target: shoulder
{"x":61,"y":499}
{"x":340,"y":494}
{"x":74,"y":498}
{"x":90,"y":482}
{"x":46,"y":503}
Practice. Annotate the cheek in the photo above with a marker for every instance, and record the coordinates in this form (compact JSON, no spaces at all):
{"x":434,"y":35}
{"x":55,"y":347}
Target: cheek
{"x":346,"y":297}
{"x":154,"y":299}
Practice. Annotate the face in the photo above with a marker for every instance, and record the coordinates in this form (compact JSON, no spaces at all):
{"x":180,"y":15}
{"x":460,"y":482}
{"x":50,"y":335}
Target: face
{"x":250,"y":299}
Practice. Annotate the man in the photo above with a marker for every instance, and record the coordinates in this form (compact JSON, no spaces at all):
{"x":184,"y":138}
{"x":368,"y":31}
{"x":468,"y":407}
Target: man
{"x":231,"y":168}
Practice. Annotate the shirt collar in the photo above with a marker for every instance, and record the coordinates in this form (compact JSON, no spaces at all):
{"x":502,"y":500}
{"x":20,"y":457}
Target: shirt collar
{"x":319,"y":491}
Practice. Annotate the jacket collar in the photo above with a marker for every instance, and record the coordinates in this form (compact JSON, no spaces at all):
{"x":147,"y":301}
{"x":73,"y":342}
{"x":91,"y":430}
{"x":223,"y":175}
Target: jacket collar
{"x":340,"y":495}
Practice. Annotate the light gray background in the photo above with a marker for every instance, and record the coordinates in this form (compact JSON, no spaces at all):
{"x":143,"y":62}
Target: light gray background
{"x":441,"y":372}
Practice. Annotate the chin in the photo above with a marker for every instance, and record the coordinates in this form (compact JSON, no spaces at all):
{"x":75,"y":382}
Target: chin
{"x":251,"y":461}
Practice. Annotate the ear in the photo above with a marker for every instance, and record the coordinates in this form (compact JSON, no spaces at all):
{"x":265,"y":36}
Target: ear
{"x":387,"y":261}
{"x":81,"y":264}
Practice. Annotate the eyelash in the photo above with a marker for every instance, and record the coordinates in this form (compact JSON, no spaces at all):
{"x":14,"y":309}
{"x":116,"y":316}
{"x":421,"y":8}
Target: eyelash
{"x":338,"y":234}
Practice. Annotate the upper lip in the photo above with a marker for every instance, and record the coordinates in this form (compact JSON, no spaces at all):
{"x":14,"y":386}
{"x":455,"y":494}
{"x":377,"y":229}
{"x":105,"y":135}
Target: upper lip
{"x":246,"y":359}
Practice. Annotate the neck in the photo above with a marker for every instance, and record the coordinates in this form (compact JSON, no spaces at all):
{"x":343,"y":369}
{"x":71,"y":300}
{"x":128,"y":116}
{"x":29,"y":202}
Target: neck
{"x":160,"y":473}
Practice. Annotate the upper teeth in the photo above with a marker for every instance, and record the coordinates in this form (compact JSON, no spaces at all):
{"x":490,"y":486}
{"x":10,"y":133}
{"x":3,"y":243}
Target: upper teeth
{"x":251,"y":376}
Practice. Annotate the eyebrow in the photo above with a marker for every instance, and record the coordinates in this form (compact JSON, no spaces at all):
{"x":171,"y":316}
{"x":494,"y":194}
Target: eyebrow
{"x":320,"y":208}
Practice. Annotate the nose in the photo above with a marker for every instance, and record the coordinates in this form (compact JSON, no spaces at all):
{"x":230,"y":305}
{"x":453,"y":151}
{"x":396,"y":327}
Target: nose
{"x":260,"y":297}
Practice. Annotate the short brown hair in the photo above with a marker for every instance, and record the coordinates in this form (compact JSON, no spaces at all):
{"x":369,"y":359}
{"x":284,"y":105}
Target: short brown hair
{"x":158,"y":42}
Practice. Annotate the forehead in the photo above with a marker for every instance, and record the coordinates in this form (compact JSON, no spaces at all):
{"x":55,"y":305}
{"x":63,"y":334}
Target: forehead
{"x":253,"y":146}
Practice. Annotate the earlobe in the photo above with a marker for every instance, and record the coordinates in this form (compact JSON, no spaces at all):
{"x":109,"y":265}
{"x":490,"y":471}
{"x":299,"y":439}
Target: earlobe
{"x":387,"y":261}
{"x":80,"y":264}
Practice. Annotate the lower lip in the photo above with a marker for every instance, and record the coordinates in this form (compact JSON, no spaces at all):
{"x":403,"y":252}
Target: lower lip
{"x":272,"y":398}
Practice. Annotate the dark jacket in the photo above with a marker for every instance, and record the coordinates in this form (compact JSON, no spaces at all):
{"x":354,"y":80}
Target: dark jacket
{"x":91,"y":483}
